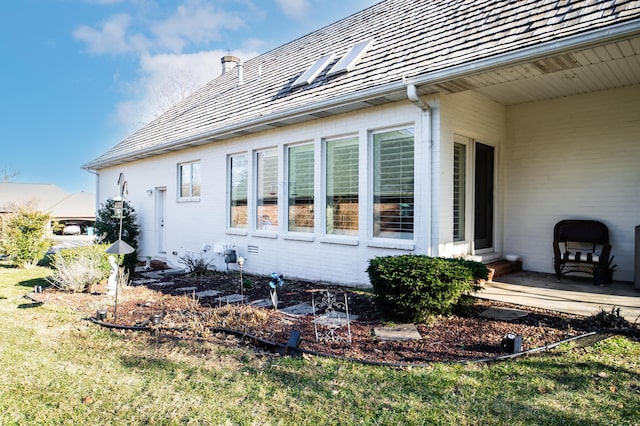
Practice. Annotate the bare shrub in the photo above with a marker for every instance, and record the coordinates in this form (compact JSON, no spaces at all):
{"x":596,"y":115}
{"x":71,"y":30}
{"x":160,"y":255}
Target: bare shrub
{"x":196,"y":265}
{"x":75,"y":275}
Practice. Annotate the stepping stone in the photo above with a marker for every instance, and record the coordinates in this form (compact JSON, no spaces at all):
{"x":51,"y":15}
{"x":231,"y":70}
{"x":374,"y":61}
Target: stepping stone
{"x":398,"y":332}
{"x":161,"y":284}
{"x":145,"y":281}
{"x":207,"y":293}
{"x":262,"y":303}
{"x":299,"y":310}
{"x":232,"y":298}
{"x":503,"y":314}
{"x":186,"y":289}
{"x":164,"y":273}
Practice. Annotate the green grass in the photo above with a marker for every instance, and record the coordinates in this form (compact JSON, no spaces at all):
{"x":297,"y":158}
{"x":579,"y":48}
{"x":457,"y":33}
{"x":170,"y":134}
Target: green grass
{"x":56,"y":368}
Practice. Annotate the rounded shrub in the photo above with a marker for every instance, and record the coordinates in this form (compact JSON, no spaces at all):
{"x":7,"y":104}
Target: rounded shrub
{"x":410,"y":288}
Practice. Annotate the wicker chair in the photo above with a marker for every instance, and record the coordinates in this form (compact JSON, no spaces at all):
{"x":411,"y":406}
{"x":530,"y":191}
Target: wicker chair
{"x":581,"y":246}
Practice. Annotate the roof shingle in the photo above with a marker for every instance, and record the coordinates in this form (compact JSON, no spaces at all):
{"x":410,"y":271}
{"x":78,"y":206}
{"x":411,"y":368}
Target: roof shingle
{"x":412,"y":37}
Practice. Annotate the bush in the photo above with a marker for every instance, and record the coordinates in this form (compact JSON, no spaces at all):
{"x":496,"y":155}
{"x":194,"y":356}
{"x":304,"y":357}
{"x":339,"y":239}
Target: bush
{"x":24,"y":237}
{"x":411,"y":288}
{"x":196,"y":265}
{"x":108,"y":227}
{"x":78,"y":269}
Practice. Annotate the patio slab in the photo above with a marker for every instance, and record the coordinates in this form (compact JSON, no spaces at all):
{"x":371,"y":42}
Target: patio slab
{"x":571,"y":295}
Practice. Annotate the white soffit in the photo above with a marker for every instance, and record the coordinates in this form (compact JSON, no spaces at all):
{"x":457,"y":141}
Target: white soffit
{"x":351,"y":59}
{"x":314,"y":70}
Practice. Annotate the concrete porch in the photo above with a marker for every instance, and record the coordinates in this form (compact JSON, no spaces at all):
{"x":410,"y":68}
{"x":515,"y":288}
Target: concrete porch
{"x":571,"y":295}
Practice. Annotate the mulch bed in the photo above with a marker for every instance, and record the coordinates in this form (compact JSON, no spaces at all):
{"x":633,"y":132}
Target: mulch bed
{"x":450,"y":339}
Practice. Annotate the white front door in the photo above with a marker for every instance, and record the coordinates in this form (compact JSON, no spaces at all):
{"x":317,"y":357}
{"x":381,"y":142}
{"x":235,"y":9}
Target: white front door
{"x":161,"y":198}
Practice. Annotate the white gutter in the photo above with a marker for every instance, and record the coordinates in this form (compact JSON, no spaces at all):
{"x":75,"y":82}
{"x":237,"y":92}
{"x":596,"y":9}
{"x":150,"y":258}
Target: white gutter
{"x":538,"y":51}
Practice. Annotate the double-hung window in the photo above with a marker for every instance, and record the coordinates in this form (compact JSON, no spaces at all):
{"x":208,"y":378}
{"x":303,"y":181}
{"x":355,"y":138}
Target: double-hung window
{"x":189,"y":181}
{"x":393,"y":184}
{"x":341,"y":175}
{"x":267,"y":190}
{"x":238,"y":178}
{"x":300,"y":188}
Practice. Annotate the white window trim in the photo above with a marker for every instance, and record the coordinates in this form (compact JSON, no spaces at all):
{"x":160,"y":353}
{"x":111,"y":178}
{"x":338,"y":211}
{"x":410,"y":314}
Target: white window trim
{"x":253,"y":210}
{"x":191,"y":198}
{"x":229,"y":229}
{"x":386,"y":242}
{"x":298,"y":235}
{"x":469,"y":143}
{"x":322,"y":221}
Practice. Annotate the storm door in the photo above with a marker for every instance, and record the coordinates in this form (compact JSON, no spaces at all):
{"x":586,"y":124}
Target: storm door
{"x":483,"y":197}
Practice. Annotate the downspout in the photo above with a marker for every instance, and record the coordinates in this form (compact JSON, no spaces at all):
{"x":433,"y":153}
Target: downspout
{"x":432,"y":158}
{"x":95,"y":173}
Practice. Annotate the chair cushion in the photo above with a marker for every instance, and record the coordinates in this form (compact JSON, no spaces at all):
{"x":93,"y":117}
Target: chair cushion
{"x":581,"y":257}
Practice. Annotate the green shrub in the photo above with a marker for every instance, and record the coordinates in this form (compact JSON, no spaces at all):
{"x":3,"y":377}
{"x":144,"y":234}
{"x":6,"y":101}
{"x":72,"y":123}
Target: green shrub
{"x":23,"y":236}
{"x":411,"y":288}
{"x":108,"y":226}
{"x":77,"y":269}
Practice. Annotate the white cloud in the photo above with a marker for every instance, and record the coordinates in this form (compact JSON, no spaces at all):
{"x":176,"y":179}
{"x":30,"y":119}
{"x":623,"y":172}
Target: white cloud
{"x":193,"y":23}
{"x":167,"y":79}
{"x":166,"y":74}
{"x":295,"y":8}
{"x":111,"y":37}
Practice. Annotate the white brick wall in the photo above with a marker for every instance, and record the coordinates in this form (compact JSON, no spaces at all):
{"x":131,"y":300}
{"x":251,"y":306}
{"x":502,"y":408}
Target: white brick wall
{"x":575,"y":157}
{"x":476,"y":117}
{"x":189,"y":225}
{"x":565,"y":158}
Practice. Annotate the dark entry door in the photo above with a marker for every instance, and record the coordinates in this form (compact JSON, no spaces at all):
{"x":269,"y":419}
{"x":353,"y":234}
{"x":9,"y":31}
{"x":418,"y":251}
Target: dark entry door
{"x":483,"y":223}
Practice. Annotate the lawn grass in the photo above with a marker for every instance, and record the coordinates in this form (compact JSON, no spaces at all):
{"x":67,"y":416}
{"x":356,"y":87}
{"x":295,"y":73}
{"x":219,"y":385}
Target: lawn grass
{"x":57,"y":368}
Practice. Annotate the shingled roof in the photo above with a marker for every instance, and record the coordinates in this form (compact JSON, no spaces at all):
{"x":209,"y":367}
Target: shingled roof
{"x":412,"y":38}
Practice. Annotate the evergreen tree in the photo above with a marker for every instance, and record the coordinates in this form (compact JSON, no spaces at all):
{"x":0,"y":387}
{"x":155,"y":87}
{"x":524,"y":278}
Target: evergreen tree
{"x":108,"y":226}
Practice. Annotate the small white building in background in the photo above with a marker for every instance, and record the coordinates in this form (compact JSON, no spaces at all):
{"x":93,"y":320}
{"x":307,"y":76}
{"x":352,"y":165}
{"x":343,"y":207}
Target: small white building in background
{"x":411,"y":127}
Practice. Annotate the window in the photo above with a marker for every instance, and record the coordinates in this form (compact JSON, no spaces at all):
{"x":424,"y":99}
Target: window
{"x":267,"y":190}
{"x":300,"y":189}
{"x":459,"y":190}
{"x":393,"y":184}
{"x":342,"y":186}
{"x":238,"y":171}
{"x":189,"y":180}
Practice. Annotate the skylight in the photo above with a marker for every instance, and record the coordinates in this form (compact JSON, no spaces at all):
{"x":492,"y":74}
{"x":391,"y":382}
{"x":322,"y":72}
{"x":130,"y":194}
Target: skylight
{"x":350,"y":60}
{"x":309,"y":75}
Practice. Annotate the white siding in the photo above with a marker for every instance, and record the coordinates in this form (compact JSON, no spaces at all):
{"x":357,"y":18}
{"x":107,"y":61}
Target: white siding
{"x":567,"y":158}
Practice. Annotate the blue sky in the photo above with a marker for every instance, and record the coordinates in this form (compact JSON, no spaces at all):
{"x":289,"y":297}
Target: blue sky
{"x":79,"y":75}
